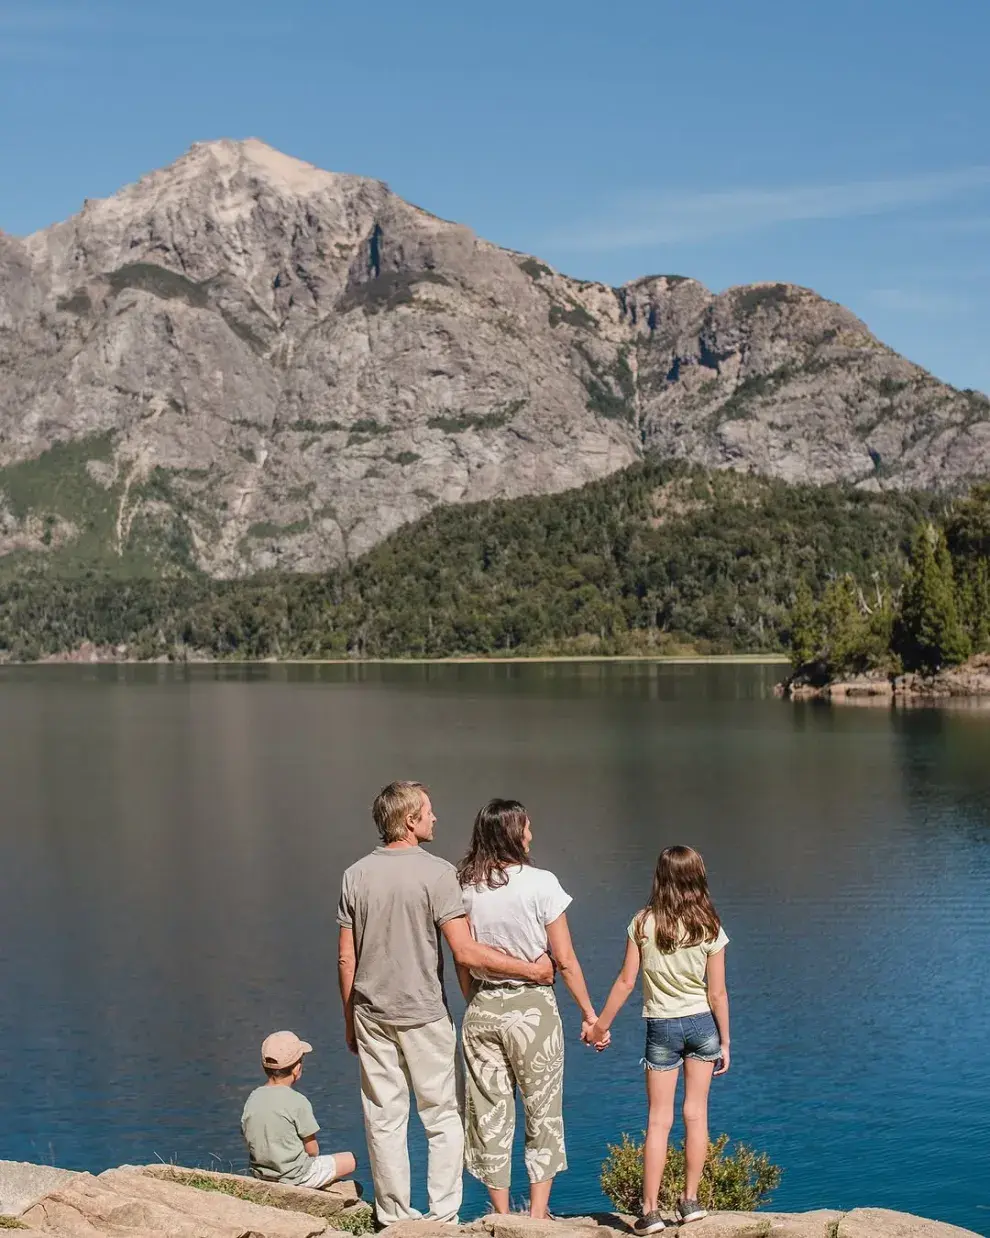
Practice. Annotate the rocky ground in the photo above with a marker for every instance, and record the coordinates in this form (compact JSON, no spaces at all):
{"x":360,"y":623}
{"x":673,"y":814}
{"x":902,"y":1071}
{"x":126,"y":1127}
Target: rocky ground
{"x":245,"y":362}
{"x":969,"y":682}
{"x":160,"y":1201}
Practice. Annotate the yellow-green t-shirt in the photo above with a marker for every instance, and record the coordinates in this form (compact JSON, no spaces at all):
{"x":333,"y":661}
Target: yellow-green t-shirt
{"x":673,"y":984}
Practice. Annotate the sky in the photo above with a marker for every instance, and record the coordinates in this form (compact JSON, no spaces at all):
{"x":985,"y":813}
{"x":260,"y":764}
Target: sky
{"x":843,"y":146}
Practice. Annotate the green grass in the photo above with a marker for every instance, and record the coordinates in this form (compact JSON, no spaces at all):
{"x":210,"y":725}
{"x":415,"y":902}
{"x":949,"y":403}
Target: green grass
{"x":388,"y":291}
{"x":7,"y":1222}
{"x":268,"y":528}
{"x":305,"y":424}
{"x":752,"y":299}
{"x":356,"y":1220}
{"x":457,"y":423}
{"x":576,"y":316}
{"x":534,"y":269}
{"x":160,"y":282}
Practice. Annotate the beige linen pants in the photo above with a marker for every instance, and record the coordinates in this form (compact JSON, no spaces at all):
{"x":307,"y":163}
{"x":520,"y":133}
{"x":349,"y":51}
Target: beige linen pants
{"x":513,"y":1037}
{"x":393,"y":1059}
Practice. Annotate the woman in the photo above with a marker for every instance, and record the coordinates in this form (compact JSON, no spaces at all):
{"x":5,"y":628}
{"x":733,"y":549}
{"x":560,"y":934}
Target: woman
{"x":512,"y":1033}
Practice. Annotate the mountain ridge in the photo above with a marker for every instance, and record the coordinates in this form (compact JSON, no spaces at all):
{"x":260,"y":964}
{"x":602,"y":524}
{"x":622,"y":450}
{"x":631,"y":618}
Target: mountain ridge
{"x":275,"y":366}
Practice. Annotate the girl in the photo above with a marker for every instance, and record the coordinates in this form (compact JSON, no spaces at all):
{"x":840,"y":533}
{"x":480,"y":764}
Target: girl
{"x":512,"y":1034}
{"x":678,"y":942}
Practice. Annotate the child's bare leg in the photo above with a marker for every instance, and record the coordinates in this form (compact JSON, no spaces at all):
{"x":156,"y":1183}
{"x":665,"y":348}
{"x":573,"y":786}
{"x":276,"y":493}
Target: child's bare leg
{"x":660,"y":1088}
{"x":499,"y":1195}
{"x":345,"y":1164}
{"x":697,"y":1081}
{"x":539,"y":1198}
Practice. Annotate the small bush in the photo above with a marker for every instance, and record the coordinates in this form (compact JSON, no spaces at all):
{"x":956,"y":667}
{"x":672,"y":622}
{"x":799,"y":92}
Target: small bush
{"x":738,"y":1182}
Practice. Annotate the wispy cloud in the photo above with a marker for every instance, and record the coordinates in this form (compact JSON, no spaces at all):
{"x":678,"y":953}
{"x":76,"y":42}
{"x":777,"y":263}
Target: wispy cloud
{"x":669,"y":218}
{"x":921,"y":301}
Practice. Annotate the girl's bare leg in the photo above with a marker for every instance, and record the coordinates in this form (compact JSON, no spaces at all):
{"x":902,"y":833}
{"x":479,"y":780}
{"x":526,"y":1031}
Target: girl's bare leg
{"x":660,"y":1088}
{"x":697,"y":1081}
{"x":539,"y":1198}
{"x":500,"y":1199}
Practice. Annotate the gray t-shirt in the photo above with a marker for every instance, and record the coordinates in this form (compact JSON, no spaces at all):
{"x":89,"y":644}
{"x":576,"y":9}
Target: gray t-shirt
{"x":396,"y":902}
{"x":275,"y":1122}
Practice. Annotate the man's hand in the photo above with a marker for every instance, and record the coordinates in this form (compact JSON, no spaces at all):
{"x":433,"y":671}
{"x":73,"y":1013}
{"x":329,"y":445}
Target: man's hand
{"x":543,"y":970}
{"x":349,"y":1034}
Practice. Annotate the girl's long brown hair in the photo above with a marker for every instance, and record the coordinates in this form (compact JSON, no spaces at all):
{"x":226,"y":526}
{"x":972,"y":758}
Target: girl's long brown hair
{"x":682,"y":909}
{"x":496,"y":844}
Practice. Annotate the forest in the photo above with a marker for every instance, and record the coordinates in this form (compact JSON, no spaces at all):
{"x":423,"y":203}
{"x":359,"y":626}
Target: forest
{"x":663,"y":557}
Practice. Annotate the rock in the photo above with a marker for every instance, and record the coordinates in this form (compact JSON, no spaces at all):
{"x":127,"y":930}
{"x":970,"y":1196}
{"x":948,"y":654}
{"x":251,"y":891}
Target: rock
{"x":519,"y":1225}
{"x":252,"y":363}
{"x":23,"y":1184}
{"x":331,"y":1200}
{"x":881,"y":1223}
{"x":130,"y":1204}
{"x":428,"y":1229}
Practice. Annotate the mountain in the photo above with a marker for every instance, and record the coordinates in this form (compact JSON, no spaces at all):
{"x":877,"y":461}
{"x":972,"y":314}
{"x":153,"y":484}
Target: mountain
{"x":243,"y":362}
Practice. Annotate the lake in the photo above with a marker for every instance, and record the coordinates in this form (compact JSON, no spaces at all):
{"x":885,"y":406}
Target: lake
{"x":173,"y":842}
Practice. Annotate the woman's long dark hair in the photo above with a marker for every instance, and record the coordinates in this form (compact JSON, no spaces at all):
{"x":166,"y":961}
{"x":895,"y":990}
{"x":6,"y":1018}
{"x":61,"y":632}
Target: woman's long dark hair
{"x":496,"y":844}
{"x":682,"y":909}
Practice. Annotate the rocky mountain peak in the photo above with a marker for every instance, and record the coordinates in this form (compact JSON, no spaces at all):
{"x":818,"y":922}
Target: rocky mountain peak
{"x":246,"y":362}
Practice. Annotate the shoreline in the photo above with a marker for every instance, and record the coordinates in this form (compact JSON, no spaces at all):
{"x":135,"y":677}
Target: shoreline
{"x":728,"y":659}
{"x":967,"y":683}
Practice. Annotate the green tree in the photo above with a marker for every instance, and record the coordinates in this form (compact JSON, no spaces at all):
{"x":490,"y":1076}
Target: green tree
{"x":805,"y":631}
{"x":929,"y":632}
{"x":974,"y":601}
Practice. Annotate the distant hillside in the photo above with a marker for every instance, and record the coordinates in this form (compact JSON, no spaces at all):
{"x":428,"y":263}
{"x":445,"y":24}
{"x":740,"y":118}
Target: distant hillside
{"x":243,"y":363}
{"x":658,"y":557}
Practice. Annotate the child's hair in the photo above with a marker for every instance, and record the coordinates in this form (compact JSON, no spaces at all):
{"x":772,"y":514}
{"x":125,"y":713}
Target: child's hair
{"x":280,"y":1072}
{"x":496,"y":843}
{"x":681,"y":907}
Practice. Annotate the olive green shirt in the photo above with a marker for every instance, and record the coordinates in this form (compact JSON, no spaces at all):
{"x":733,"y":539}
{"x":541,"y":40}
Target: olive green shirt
{"x":275,"y":1121}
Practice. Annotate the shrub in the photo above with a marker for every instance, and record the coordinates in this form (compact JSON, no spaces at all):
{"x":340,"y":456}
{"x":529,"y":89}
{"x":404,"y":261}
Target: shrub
{"x":737,"y":1182}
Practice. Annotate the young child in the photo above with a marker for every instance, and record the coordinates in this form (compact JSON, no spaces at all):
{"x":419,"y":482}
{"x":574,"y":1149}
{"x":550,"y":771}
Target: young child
{"x":678,"y":942}
{"x":278,"y":1123}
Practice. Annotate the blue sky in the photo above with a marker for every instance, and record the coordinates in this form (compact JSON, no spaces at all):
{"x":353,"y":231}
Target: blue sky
{"x":845,"y":146}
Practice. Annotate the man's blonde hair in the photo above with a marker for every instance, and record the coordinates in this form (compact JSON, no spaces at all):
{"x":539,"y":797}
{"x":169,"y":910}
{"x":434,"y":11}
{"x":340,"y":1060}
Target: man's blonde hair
{"x":393,"y":805}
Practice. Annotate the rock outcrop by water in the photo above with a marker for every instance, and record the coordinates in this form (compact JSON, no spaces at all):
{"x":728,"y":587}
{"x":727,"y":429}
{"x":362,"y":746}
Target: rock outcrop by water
{"x":158,"y":1202}
{"x":244,"y":362}
{"x":968,"y":682}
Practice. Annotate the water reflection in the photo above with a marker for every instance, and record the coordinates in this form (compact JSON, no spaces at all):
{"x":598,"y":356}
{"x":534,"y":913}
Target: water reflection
{"x":173,"y":841}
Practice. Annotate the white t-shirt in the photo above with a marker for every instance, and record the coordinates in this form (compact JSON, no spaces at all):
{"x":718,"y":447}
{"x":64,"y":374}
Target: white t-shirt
{"x":515,"y":916}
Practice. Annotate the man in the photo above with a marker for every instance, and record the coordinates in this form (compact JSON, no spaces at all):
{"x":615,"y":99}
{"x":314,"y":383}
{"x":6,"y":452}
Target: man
{"x":394,"y":904}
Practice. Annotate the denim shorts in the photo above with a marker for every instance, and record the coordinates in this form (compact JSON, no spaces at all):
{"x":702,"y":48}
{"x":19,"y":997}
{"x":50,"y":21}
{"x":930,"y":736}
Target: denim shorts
{"x":669,"y":1041}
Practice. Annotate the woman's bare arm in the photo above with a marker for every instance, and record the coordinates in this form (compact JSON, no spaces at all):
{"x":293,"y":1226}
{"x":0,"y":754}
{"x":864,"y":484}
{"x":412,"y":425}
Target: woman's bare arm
{"x":562,"y":952}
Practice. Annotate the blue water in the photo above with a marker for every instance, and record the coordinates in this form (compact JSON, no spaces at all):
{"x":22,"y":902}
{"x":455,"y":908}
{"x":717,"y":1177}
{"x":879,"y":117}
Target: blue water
{"x":173,"y":843}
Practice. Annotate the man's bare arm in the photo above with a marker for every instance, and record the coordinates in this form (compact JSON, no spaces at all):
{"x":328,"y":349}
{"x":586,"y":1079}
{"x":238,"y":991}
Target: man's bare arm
{"x":473,"y":955}
{"x":346,"y":966}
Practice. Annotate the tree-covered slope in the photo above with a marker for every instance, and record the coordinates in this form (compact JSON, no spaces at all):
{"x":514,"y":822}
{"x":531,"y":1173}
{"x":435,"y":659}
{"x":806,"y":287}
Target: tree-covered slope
{"x":659,"y":556}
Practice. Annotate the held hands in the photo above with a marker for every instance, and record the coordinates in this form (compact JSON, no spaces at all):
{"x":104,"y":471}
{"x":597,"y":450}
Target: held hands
{"x":594,"y":1037}
{"x":722,"y":1065}
{"x":349,"y":1034}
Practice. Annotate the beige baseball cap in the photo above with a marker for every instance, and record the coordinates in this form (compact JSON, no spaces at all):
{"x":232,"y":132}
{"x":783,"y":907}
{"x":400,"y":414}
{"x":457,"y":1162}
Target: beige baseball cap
{"x":281,"y":1050}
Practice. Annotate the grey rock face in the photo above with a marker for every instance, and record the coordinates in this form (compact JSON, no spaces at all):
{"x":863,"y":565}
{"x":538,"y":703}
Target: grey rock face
{"x":254,"y":363}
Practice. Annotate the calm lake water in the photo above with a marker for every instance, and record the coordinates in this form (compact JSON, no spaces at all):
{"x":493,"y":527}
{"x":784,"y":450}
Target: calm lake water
{"x":173,"y":843}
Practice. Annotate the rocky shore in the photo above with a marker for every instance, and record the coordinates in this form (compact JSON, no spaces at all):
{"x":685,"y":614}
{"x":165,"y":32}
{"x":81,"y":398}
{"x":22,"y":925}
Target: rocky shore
{"x":169,"y":1201}
{"x":969,"y":682}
